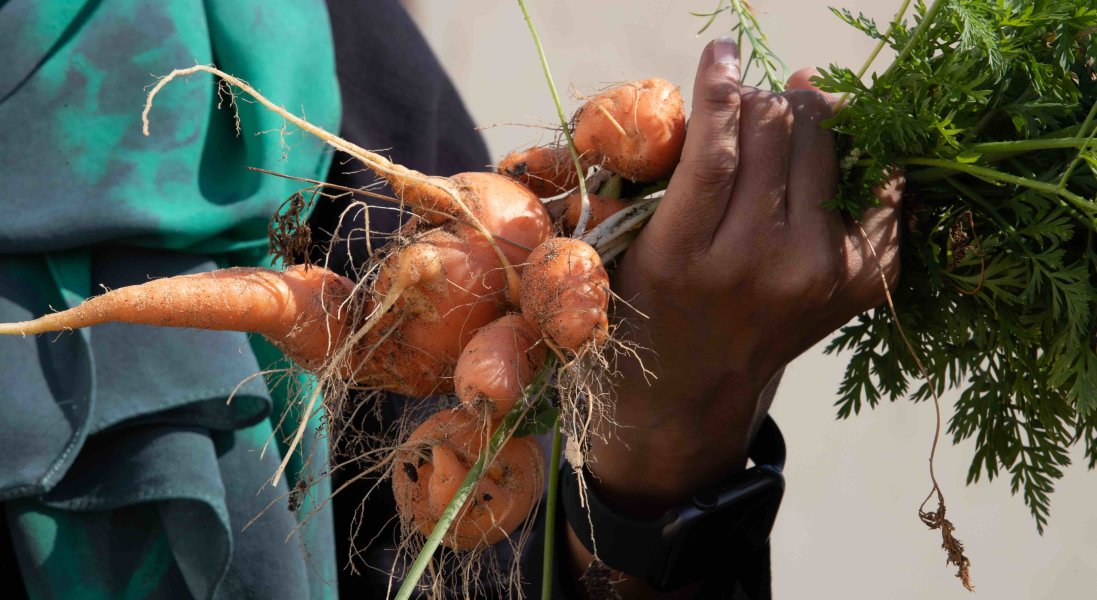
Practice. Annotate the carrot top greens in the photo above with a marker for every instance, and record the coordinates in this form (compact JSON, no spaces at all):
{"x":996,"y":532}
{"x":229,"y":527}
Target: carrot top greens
{"x":989,"y":110}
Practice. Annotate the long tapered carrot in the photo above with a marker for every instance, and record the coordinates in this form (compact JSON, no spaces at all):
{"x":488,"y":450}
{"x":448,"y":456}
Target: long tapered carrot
{"x":299,"y":309}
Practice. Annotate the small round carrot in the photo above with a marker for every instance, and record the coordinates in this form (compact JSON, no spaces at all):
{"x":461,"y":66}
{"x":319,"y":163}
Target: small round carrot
{"x":565,"y":292}
{"x":495,"y":210}
{"x":415,"y":342}
{"x":498,"y":363}
{"x":516,"y":217}
{"x":429,"y":469}
{"x":546,"y":170}
{"x":449,"y":282}
{"x":636,"y":129}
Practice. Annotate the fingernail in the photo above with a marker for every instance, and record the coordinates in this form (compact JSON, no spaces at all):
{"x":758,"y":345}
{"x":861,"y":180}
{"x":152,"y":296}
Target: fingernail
{"x":725,"y":51}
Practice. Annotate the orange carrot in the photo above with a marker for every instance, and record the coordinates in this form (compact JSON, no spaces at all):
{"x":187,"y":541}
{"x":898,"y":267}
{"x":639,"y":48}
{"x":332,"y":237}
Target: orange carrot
{"x":515,"y":216}
{"x":494,"y":209}
{"x":636,"y":129}
{"x":299,"y":310}
{"x":498,"y":363}
{"x":546,"y":170}
{"x":438,"y":199}
{"x":431,"y":465}
{"x":442,"y":289}
{"x":565,"y":292}
{"x":433,"y":296}
{"x":601,"y":208}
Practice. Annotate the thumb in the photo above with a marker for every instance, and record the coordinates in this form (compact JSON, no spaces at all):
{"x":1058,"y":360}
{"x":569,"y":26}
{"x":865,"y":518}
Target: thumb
{"x":700,"y":189}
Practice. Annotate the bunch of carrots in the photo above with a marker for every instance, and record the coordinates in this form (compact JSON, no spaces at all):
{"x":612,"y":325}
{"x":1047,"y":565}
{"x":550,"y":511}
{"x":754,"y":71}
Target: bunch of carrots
{"x":472,"y":299}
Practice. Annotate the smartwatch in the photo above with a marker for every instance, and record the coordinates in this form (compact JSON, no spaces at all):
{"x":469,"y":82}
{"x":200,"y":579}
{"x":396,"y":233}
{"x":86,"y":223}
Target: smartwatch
{"x":715,"y":530}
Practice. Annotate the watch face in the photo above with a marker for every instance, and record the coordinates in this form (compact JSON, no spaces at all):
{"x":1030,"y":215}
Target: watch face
{"x":719,"y":529}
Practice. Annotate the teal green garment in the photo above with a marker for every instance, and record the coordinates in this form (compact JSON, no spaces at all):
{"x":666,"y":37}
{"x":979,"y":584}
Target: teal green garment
{"x":127,"y":473}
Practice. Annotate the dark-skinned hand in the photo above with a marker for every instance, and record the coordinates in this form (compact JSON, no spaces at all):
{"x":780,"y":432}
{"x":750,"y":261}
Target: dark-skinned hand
{"x":739,"y":271}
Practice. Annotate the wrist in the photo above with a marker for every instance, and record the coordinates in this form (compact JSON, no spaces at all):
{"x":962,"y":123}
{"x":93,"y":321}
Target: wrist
{"x":665,"y":447}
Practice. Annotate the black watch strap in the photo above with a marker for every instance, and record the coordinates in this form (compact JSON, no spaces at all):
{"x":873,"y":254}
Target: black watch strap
{"x":717,"y":529}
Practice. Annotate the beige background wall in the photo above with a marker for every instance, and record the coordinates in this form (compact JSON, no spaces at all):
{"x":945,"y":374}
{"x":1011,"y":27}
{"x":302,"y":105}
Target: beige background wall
{"x":848,"y":527}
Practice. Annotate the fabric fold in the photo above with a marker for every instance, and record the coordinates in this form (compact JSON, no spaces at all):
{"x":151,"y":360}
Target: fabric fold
{"x":127,"y":473}
{"x":47,"y":399}
{"x":194,"y":503}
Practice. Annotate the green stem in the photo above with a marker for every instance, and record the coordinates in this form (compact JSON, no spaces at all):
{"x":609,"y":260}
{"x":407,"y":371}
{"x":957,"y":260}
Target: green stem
{"x":916,"y":37}
{"x":1086,"y":207}
{"x":981,"y":172}
{"x":883,"y":41}
{"x":879,"y":46}
{"x":992,"y":152}
{"x":584,"y":214}
{"x":612,"y":187}
{"x":759,"y":45}
{"x":711,"y":16}
{"x":1021,"y":146}
{"x":547,"y":571}
{"x":1078,"y":157}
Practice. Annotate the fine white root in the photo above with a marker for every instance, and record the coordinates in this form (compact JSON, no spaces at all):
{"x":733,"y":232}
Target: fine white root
{"x":374,"y":161}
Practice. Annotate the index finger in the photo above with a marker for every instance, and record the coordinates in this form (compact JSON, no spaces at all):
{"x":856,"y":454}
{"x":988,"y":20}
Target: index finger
{"x":700,"y":189}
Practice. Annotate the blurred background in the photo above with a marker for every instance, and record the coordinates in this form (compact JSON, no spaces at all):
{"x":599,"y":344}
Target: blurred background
{"x":848,"y":527}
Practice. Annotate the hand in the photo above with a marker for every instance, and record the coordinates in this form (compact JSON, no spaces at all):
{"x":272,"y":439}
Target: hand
{"x":740,"y":270}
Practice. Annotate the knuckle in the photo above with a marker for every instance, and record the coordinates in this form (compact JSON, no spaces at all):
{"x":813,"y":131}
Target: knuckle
{"x":670,"y":273}
{"x":808,"y":104}
{"x":807,"y":279}
{"x":719,"y":92}
{"x":716,"y":165}
{"x":766,"y":109}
